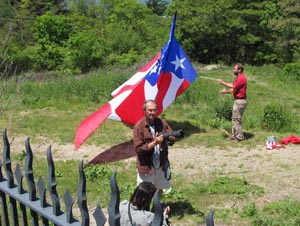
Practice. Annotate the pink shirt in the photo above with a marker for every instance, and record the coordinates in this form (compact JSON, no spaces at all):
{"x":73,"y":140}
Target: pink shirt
{"x":240,"y":87}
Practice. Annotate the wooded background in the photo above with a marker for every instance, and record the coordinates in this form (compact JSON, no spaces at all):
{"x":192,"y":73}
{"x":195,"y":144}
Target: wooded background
{"x":76,"y":36}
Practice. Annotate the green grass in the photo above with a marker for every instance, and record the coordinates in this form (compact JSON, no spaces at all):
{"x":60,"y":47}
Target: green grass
{"x":281,"y":213}
{"x":52,"y":109}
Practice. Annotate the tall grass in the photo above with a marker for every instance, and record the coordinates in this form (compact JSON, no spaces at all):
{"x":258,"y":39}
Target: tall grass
{"x":58,"y":105}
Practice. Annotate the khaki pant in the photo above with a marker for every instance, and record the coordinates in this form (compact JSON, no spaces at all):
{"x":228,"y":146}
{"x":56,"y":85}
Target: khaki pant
{"x":238,"y":109}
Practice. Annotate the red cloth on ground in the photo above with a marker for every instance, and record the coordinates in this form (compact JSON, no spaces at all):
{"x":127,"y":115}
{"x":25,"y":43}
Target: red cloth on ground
{"x":274,"y":146}
{"x":291,"y":139}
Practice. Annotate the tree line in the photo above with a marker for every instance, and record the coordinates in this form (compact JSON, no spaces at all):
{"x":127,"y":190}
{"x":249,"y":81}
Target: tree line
{"x":76,"y":36}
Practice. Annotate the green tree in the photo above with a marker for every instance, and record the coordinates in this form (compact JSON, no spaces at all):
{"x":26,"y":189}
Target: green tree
{"x":85,"y":51}
{"x":79,"y":35}
{"x":15,"y":34}
{"x":225,"y":30}
{"x":257,"y":41}
{"x":6,"y":11}
{"x":132,"y":32}
{"x":157,"y":6}
{"x":40,"y":7}
{"x":288,"y":32}
{"x":83,"y":7}
{"x":50,"y":32}
{"x":6,"y":27}
{"x":86,"y":47}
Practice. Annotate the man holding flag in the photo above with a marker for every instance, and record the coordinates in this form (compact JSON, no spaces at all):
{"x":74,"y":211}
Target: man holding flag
{"x":239,"y":91}
{"x":152,"y":148}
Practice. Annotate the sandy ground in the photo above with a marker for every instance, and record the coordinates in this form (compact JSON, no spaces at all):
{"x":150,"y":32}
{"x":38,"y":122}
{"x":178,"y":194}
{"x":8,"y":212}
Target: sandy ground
{"x":277,"y":170}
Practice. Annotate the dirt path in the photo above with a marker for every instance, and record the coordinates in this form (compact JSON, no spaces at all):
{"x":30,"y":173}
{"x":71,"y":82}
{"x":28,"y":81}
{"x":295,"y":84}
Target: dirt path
{"x":277,"y":171}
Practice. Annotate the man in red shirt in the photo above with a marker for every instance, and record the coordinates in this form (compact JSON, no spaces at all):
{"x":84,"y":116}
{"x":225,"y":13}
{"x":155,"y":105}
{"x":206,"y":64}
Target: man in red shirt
{"x":238,"y":89}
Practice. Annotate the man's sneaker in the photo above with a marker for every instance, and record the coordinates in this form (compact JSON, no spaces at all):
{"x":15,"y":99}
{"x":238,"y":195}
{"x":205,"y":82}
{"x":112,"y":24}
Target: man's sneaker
{"x":232,"y":139}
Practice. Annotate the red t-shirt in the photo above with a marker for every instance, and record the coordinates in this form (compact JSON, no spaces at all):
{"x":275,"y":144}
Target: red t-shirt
{"x":240,"y":87}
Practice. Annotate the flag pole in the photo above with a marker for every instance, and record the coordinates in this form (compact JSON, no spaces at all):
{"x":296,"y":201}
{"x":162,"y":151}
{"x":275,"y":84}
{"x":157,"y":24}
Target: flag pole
{"x":207,"y":78}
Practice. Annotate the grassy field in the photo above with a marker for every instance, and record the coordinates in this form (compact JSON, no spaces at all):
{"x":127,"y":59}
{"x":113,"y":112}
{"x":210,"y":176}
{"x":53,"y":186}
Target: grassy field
{"x":49,"y":108}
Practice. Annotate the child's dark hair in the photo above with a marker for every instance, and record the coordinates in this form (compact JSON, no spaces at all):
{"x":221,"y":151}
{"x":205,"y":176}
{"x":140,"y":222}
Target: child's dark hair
{"x":142,"y":196}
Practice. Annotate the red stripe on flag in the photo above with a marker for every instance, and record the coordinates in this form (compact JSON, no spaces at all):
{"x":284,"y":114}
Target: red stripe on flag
{"x":185,"y":84}
{"x":90,"y":124}
{"x":163,"y":84}
{"x":125,"y":88}
{"x":130,"y":110}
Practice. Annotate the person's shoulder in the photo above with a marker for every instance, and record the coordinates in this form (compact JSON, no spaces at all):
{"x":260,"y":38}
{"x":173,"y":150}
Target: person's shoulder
{"x":140,"y":122}
{"x":123,"y":206}
{"x":245,"y":77}
{"x":159,"y":120}
{"x":241,"y":76}
{"x":163,"y":121}
{"x":124,"y":202}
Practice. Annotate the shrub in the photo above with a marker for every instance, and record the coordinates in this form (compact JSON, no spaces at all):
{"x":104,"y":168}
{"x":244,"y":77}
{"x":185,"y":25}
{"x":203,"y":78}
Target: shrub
{"x":292,"y":71}
{"x":50,"y":32}
{"x":95,"y":172}
{"x":127,"y":59}
{"x":84,"y":52}
{"x":249,"y":210}
{"x":275,"y":118}
{"x":224,"y":111}
{"x":21,"y":58}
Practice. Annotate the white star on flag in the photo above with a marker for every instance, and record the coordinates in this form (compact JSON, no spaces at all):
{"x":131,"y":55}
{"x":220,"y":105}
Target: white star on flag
{"x":178,"y":63}
{"x":154,"y":69}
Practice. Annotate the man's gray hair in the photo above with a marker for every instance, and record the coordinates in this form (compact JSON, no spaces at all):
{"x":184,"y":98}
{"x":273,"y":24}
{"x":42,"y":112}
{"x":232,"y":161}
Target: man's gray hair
{"x":148,"y":101}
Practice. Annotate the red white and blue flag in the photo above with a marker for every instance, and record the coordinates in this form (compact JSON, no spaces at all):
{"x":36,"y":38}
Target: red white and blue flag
{"x":163,"y":79}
